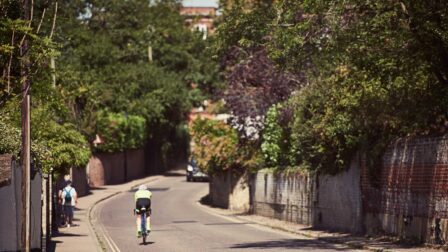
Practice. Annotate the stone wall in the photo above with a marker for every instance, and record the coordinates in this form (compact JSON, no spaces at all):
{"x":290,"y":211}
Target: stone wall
{"x":285,"y":197}
{"x":410,"y":199}
{"x":231,"y":191}
{"x":338,"y":201}
{"x":116,"y":168}
{"x":408,"y":196}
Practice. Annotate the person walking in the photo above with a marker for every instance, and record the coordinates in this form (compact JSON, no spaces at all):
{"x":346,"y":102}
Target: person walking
{"x":69,"y":201}
{"x":60,"y":210}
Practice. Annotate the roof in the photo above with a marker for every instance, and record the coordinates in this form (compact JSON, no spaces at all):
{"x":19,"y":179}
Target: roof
{"x":200,"y":3}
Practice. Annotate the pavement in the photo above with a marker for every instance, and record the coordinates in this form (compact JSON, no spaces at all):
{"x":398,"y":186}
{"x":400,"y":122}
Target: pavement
{"x":83,"y":236}
{"x":352,"y":241}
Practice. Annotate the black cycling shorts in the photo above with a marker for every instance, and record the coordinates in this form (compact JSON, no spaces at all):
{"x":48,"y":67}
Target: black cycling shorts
{"x":143,"y":202}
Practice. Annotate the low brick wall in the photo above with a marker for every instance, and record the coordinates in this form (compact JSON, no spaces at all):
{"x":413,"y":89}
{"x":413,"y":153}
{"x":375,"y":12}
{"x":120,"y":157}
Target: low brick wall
{"x":231,"y":191}
{"x":411,"y":198}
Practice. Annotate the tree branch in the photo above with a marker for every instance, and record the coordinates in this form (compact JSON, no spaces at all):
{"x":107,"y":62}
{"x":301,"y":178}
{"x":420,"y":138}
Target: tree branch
{"x":41,"y":20}
{"x":29,"y":24}
{"x":54,"y":19}
{"x":8,"y":77}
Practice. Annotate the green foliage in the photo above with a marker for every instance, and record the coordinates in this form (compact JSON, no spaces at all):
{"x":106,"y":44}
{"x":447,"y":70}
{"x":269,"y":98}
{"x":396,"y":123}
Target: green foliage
{"x":375,"y":70}
{"x":369,"y":79}
{"x":10,"y":136}
{"x":13,"y":32}
{"x":64,"y":146}
{"x":120,"y":131}
{"x":272,"y":138}
{"x":244,"y":25}
{"x":105,"y":66}
{"x":216,"y":147}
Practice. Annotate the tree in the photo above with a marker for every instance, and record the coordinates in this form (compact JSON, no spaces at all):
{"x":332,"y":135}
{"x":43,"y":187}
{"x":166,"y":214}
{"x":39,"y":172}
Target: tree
{"x":370,"y":76}
{"x":254,"y":83}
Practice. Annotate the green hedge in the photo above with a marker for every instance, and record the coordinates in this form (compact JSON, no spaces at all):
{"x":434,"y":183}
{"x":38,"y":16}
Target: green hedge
{"x":120,"y":131}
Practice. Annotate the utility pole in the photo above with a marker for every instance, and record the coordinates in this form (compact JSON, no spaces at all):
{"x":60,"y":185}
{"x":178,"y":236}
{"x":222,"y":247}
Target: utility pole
{"x":26,"y":138}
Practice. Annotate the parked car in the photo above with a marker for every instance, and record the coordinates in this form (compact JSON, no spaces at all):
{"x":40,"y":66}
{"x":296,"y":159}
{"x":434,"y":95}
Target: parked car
{"x":194,"y":173}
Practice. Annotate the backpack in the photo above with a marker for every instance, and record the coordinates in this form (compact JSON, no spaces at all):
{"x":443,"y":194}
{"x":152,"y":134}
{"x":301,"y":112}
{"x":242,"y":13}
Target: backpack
{"x":68,"y":196}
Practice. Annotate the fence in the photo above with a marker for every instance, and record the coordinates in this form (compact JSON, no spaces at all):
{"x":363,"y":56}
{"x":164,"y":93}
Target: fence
{"x":10,"y":212}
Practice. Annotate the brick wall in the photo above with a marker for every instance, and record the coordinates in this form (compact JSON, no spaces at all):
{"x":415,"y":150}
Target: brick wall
{"x":286,"y":197}
{"x":109,"y":168}
{"x":79,"y":180}
{"x":411,"y":198}
{"x":136,"y":164}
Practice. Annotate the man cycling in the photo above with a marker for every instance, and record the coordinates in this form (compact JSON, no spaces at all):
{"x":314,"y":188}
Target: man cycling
{"x":142,"y":200}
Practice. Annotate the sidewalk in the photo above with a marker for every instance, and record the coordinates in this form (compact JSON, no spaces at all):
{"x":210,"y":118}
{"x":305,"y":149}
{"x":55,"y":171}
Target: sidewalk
{"x":82,"y":237}
{"x":355,"y":242}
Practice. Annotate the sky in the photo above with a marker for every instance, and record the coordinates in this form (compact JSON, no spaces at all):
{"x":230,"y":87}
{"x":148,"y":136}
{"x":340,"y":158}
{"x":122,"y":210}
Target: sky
{"x":200,"y":3}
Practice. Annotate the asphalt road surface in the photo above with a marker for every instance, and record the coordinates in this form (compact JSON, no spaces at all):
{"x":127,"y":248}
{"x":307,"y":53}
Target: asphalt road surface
{"x":179,"y":223}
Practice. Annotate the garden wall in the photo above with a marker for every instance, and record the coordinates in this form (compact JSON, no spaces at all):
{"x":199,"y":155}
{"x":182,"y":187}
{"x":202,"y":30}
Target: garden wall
{"x":79,"y":180}
{"x":410,"y":199}
{"x":116,"y":168}
{"x":284,"y":197}
{"x":407,"y":197}
{"x":338,"y":202}
{"x":230,"y":191}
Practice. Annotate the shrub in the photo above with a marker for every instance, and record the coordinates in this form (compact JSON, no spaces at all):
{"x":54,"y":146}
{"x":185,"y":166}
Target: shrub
{"x":120,"y":131}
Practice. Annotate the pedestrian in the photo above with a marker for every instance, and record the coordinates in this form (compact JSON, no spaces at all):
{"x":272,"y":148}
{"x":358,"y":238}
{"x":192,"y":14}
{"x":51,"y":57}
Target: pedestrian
{"x":69,"y":201}
{"x":59,"y":210}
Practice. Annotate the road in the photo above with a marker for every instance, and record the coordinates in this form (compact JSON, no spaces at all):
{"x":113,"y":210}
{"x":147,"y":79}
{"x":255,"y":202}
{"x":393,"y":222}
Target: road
{"x":179,"y":223}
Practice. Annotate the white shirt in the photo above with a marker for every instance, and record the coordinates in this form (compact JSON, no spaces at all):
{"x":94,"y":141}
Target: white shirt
{"x":72,"y":191}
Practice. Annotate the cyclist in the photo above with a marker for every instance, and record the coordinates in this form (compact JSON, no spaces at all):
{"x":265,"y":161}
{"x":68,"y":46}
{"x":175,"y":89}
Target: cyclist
{"x":142,"y":199}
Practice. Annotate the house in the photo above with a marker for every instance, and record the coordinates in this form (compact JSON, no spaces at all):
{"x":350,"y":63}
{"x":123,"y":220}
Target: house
{"x":199,"y":15}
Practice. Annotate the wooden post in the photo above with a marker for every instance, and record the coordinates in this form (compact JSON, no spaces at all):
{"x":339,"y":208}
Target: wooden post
{"x":26,"y":139}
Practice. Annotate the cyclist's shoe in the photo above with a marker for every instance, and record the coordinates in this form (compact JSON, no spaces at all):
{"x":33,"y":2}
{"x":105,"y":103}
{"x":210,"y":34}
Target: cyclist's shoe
{"x":139,"y":234}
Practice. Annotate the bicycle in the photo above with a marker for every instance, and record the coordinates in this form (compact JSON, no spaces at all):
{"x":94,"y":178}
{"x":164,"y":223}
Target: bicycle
{"x":143,"y":225}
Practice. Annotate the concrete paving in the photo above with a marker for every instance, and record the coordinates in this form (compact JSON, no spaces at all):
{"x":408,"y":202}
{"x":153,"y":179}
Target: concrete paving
{"x":82,"y":236}
{"x":359,"y":242}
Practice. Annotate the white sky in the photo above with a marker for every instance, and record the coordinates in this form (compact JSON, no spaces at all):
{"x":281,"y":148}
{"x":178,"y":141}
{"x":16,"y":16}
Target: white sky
{"x":200,"y":3}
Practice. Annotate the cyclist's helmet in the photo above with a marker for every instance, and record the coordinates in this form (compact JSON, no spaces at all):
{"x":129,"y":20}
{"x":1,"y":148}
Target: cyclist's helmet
{"x":143,"y":187}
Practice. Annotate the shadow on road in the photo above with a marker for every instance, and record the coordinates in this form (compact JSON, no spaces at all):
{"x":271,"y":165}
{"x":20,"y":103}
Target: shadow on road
{"x":146,"y":243}
{"x":186,"y":221}
{"x":228,"y":223}
{"x":175,"y":173}
{"x":68,"y":234}
{"x":52,"y":246}
{"x":290,"y":244}
{"x":152,"y":189}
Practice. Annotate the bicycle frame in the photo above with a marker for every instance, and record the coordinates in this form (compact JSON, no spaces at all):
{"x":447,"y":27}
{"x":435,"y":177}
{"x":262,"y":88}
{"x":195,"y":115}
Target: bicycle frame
{"x":143,"y":224}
